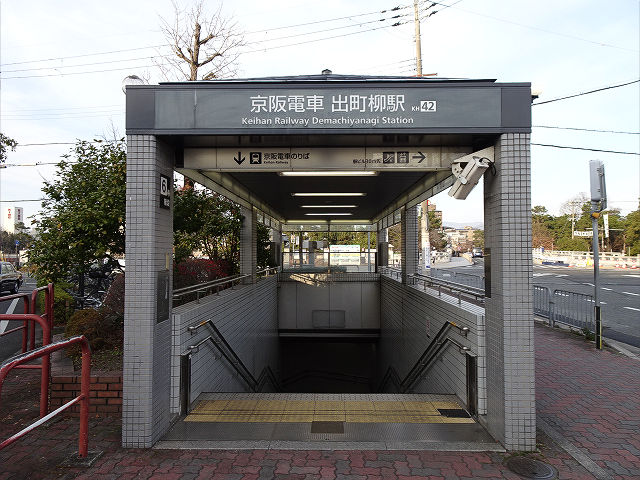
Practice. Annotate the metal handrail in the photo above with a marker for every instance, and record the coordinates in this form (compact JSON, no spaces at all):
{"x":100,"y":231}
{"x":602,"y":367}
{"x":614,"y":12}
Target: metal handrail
{"x":83,"y":398}
{"x":477,"y":294}
{"x":205,"y":286}
{"x":232,"y":357}
{"x":425,"y":360}
{"x":267,"y":270}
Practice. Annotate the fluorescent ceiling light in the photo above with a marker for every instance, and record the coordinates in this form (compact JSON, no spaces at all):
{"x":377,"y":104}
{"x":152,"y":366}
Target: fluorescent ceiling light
{"x":329,"y":214}
{"x":328,"y":206}
{"x":330,"y":173}
{"x":328,"y":194}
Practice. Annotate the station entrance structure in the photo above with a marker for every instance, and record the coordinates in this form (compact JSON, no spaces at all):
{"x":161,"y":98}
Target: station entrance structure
{"x":256,"y":141}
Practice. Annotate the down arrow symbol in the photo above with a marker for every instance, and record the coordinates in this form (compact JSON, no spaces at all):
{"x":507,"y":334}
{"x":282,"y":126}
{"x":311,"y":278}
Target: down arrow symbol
{"x":239,"y":159}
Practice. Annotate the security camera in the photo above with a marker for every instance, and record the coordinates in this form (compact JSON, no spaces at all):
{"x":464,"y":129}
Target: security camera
{"x":468,"y":174}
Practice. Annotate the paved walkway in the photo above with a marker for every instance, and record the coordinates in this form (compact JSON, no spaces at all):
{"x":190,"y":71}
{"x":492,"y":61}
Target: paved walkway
{"x":588,"y":405}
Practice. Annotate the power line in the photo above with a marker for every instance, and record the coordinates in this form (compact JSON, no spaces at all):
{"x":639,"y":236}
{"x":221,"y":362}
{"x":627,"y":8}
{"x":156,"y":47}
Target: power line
{"x":394,"y":9}
{"x":79,"y":73}
{"x":18,"y":116}
{"x":583,"y":148}
{"x":64,"y":117}
{"x":587,"y":93}
{"x":324,"y":38}
{"x":86,"y":64}
{"x":85,"y":55}
{"x":601,"y":44}
{"x":586,"y":129}
{"x":22,"y":201}
{"x":245,"y":52}
{"x":61,"y":108}
{"x":326,"y":30}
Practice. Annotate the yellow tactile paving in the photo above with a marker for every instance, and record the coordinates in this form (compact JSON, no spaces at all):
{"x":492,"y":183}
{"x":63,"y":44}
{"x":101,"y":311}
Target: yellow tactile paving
{"x":302,"y":411}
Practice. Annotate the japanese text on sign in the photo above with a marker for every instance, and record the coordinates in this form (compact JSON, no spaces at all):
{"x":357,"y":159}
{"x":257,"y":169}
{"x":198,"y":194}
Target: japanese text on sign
{"x":315,"y":103}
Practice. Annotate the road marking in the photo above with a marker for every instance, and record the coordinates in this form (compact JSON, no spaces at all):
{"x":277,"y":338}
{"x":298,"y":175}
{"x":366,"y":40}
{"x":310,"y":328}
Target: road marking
{"x":562,"y":275}
{"x":634,"y":294}
{"x":605,"y":288}
{"x":12,"y":307}
{"x":631,"y":308}
{"x":590,"y":284}
{"x":540,"y":274}
{"x":634,"y":276}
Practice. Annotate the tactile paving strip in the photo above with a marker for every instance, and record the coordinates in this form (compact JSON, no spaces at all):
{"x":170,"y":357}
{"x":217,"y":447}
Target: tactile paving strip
{"x":292,"y":408}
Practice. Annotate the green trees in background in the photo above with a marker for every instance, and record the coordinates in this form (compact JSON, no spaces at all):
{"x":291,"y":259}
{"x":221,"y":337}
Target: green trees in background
{"x":555,"y":232}
{"x":83,"y":215}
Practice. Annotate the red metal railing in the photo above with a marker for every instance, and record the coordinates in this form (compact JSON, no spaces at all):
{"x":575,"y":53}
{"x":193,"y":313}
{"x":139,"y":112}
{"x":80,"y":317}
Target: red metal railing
{"x":29,"y":300}
{"x":48,"y":309}
{"x":83,"y":398}
{"x":26,"y":298}
{"x":46,"y":361}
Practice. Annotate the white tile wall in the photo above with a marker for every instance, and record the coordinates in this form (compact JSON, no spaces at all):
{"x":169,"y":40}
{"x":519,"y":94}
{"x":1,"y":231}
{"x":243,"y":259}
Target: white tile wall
{"x":410,"y":318}
{"x":247,"y":317}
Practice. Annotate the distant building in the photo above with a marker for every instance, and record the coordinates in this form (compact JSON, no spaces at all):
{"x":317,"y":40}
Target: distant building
{"x":432,"y":208}
{"x":11,"y":216}
{"x":459,"y":237}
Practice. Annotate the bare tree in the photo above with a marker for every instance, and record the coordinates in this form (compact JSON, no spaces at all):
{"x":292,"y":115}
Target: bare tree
{"x":199,"y":40}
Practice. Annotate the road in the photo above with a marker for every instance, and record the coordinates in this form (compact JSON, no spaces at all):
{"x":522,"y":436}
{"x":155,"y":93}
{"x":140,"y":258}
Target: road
{"x":619,"y":294}
{"x":10,"y":344}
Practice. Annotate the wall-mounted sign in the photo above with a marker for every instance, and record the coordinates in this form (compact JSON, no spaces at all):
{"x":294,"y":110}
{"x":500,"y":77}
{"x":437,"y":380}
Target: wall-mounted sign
{"x":165,"y":192}
{"x":282,"y":159}
{"x":582,"y":234}
{"x":328,"y":108}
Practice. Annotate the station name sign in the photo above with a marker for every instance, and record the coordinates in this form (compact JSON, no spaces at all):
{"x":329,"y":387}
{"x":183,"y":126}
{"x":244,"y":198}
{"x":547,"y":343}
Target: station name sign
{"x":284,"y":110}
{"x":340,"y":107}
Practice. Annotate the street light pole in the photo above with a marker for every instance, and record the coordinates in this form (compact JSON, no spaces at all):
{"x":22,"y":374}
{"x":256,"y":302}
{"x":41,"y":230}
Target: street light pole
{"x":598,"y":204}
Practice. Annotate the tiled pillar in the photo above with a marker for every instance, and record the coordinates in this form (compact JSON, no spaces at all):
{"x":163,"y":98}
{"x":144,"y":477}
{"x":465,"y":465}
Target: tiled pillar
{"x":382,"y":248}
{"x":511,"y":413}
{"x":249,"y":243}
{"x":409,"y":236}
{"x":147,"y":329}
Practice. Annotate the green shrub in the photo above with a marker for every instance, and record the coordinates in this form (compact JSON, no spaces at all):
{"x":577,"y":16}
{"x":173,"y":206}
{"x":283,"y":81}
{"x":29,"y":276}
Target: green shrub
{"x":62,"y":304}
{"x":103,"y":329}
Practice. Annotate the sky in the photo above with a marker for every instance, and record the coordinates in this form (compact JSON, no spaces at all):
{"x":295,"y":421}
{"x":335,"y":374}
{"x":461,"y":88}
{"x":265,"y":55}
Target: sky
{"x":63,"y":62}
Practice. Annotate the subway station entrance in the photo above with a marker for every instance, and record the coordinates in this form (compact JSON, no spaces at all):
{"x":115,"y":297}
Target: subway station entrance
{"x":312,"y":353}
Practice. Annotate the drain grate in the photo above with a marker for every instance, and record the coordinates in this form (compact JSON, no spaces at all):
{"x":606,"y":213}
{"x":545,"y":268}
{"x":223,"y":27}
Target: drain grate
{"x":454,"y":413}
{"x":530,"y":468}
{"x":327,"y":427}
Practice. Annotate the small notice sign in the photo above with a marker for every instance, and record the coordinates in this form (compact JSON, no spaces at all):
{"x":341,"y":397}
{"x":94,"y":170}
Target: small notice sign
{"x":165,"y":192}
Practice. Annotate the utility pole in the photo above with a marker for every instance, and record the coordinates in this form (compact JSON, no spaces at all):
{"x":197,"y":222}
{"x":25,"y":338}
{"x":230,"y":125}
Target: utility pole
{"x":416,"y":21}
{"x":598,"y":204}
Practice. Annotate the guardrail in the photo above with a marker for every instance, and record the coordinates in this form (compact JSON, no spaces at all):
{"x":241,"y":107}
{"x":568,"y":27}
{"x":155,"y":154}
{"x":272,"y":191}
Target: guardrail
{"x":44,"y":351}
{"x":561,"y":306}
{"x":585,"y":259}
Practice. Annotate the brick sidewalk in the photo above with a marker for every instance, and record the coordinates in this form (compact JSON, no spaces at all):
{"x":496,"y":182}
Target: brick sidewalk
{"x":590,"y":398}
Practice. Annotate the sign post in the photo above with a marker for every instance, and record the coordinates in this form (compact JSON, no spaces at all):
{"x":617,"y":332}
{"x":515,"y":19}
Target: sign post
{"x":598,"y":204}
